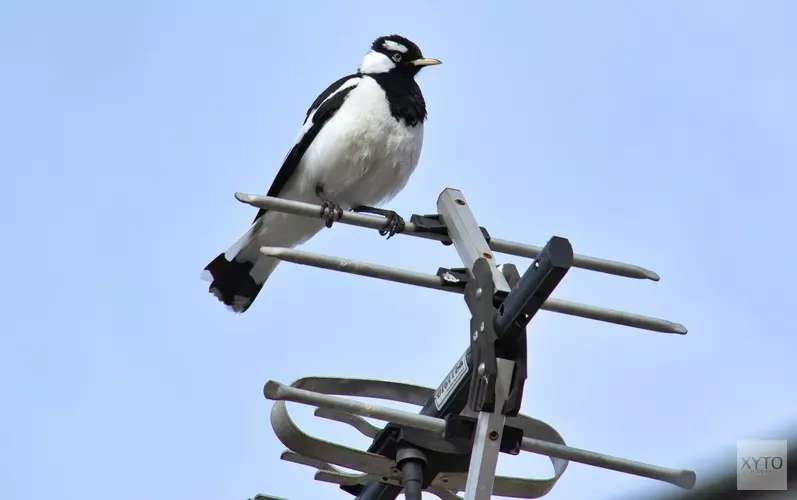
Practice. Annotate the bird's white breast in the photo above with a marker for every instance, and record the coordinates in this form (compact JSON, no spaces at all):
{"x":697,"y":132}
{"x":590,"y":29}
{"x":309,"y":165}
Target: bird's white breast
{"x":362,"y":155}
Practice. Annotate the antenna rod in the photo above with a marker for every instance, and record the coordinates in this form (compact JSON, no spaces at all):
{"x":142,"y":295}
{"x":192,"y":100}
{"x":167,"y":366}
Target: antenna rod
{"x":434,"y":282}
{"x":410,"y":229}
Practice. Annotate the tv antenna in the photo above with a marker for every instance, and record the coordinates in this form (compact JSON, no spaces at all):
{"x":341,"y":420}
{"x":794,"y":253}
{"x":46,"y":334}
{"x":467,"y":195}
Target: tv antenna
{"x":452,"y":445}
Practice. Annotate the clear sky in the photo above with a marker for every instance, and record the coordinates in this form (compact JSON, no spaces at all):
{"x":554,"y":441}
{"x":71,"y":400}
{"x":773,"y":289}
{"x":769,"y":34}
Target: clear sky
{"x":658,"y":133}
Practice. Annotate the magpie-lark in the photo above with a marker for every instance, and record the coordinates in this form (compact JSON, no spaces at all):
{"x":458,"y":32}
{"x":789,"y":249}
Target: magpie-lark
{"x":359,"y":145}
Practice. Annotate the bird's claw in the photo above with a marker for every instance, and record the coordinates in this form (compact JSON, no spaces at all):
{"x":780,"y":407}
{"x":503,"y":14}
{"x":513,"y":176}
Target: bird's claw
{"x":331,"y":213}
{"x":395,"y":224}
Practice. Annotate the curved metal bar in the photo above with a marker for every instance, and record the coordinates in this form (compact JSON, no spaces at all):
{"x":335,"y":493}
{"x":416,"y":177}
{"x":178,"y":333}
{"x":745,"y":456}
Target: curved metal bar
{"x":319,"y":453}
{"x":443,"y":494}
{"x":347,"y":478}
{"x":360,"y":424}
{"x":297,"y":441}
{"x":367,"y":388}
{"x":290,"y":456}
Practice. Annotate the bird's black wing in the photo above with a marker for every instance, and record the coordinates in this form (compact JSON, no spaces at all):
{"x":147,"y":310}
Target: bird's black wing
{"x":325,"y":107}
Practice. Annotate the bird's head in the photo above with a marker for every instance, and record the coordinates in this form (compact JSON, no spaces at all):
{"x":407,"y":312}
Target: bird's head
{"x":395,"y":54}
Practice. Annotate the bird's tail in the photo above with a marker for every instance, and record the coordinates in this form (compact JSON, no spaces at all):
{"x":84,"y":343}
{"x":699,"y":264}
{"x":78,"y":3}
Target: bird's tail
{"x":235,"y":279}
{"x":233,"y":282}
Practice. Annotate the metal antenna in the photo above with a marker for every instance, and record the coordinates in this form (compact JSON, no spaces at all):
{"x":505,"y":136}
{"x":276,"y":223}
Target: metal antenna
{"x":453,"y":444}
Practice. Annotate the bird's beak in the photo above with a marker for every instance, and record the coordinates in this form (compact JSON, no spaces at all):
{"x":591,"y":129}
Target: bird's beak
{"x":426,"y":61}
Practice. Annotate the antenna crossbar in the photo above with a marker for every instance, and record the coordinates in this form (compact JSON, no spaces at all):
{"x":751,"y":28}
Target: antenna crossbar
{"x":419,"y":231}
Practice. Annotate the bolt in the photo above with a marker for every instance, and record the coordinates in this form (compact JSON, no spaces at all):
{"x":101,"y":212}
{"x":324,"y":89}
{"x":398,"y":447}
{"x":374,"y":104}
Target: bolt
{"x":475,"y":336}
{"x":478,"y":293}
{"x":481,"y":327}
{"x":394,"y":471}
{"x":481,"y":369}
{"x":493,"y":434}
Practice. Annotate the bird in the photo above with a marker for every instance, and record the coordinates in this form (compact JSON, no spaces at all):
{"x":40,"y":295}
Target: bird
{"x":358,"y":146}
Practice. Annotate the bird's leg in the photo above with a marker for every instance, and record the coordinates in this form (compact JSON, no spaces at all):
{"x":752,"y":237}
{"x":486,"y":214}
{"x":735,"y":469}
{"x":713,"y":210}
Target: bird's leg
{"x":330,"y":212}
{"x":394,"y":225}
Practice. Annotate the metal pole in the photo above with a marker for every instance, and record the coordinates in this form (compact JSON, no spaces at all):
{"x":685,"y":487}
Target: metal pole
{"x":496,"y":244}
{"x":426,"y":280}
{"x":487,"y":439}
{"x":468,"y":239}
{"x":466,"y":235}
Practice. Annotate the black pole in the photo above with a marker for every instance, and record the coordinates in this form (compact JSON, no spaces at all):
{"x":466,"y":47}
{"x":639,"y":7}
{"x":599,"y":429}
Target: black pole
{"x":534,"y":288}
{"x":411,"y":461}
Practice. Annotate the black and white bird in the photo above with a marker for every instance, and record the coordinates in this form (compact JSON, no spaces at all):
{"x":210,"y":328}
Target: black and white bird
{"x":359,"y":145}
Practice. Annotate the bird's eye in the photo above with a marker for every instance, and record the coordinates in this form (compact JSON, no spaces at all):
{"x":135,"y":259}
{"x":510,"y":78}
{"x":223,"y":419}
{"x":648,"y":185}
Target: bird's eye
{"x":397,"y":57}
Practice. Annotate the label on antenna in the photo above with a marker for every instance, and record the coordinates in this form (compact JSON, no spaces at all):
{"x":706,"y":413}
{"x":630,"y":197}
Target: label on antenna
{"x":451,"y":382}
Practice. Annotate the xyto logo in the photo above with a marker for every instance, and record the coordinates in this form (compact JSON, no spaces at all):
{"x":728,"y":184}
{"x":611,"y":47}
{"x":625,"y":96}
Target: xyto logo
{"x":761,"y":465}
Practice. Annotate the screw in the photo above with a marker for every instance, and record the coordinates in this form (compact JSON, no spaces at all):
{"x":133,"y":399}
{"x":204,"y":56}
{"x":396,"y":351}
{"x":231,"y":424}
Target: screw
{"x":481,"y":369}
{"x":478,"y":293}
{"x":475,"y":335}
{"x":493,"y":434}
{"x":481,"y":327}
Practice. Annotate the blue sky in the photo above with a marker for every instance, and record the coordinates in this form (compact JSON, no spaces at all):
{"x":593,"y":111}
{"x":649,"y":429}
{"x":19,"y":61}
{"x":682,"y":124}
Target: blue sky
{"x":659,"y":133}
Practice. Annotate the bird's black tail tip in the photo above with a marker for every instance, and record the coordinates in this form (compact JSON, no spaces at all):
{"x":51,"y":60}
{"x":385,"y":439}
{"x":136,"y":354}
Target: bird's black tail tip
{"x":232,"y":283}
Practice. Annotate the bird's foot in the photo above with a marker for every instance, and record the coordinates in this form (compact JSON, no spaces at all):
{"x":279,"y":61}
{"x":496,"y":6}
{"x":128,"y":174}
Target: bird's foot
{"x":394,"y":225}
{"x":331,"y":213}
